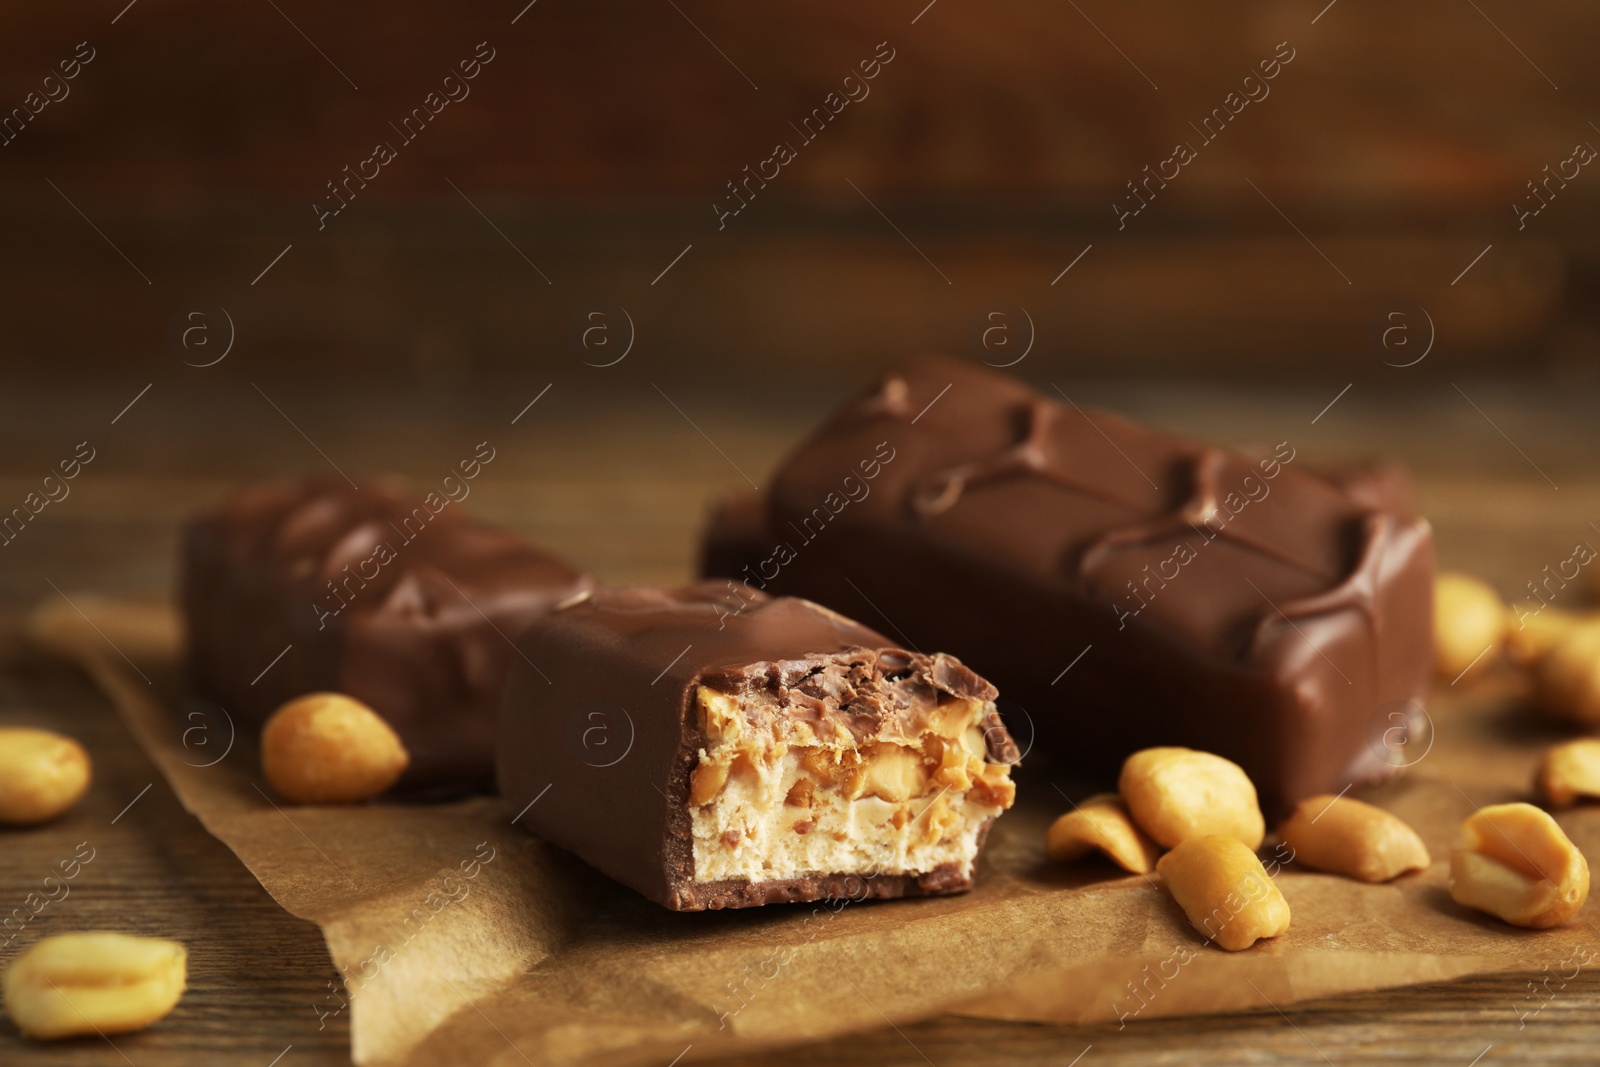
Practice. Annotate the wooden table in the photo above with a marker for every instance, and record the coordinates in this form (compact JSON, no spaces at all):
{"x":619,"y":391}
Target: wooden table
{"x":616,"y":479}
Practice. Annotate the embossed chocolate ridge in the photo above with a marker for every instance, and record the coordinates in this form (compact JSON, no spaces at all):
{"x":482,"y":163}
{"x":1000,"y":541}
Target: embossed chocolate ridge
{"x":279,"y":603}
{"x":1215,"y":599}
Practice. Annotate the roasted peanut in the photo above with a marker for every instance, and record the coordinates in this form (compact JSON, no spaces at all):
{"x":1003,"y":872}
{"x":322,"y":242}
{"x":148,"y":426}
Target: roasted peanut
{"x":1567,"y":679}
{"x":1468,"y":617}
{"x":799,"y":795}
{"x":1569,"y":771}
{"x":42,"y":774}
{"x":1532,"y":630}
{"x":93,"y":983}
{"x":993,"y":787}
{"x":706,"y":781}
{"x":1514,"y":862}
{"x":937,"y":819}
{"x":891,"y":772}
{"x":327,"y":748}
{"x":1224,"y":890}
{"x":1344,"y":836}
{"x":1102,"y":822}
{"x":1178,"y":793}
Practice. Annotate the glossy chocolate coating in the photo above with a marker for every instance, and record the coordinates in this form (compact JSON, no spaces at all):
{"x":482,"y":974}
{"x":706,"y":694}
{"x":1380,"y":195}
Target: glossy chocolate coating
{"x":1123,"y":587}
{"x":422,"y":630}
{"x":737,"y":536}
{"x":598,"y":736}
{"x":1379,"y":484}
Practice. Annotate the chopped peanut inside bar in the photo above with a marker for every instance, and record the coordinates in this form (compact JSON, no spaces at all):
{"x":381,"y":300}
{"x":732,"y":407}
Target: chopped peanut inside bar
{"x":779,"y":795}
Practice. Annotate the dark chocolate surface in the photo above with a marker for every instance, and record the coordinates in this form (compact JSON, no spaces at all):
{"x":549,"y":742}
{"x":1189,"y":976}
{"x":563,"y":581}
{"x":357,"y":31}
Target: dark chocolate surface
{"x":1123,"y":587}
{"x":399,"y":600}
{"x":598,"y":733}
{"x":736,"y":536}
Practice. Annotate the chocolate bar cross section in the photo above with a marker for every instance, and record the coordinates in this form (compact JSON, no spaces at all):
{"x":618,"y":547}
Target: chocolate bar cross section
{"x":714,"y":747}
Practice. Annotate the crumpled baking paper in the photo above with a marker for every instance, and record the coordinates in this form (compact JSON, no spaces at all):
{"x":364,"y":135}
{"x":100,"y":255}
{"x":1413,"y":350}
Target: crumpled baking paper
{"x":461,"y":938}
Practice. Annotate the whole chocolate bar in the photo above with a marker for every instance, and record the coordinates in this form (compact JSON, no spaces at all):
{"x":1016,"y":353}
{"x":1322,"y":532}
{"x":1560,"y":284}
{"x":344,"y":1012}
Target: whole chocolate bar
{"x":713,"y":747}
{"x":1123,"y":587}
{"x":397,"y":600}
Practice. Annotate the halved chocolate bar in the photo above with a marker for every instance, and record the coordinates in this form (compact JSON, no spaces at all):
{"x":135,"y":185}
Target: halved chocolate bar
{"x":396,"y":599}
{"x":713,"y":747}
{"x":1124,"y":587}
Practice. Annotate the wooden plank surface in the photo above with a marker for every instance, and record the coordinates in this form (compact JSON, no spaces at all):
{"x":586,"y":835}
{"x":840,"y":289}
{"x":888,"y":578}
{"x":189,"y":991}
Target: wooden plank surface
{"x":603,"y":140}
{"x":618,"y":483}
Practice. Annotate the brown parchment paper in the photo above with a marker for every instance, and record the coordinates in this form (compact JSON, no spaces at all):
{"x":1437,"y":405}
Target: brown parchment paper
{"x":465,"y":940}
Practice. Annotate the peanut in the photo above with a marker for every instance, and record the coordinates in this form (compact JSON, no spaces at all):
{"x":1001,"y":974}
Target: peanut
{"x":42,"y":774}
{"x":799,"y":795}
{"x":720,"y":716}
{"x":1224,"y":890}
{"x":1514,"y":862}
{"x":327,"y":748}
{"x":1468,"y":617}
{"x":1567,"y":679}
{"x":706,"y":781}
{"x":93,"y":983}
{"x":993,"y":787}
{"x":893,"y":773}
{"x":1569,"y":771}
{"x":1532,"y":630}
{"x":1352,"y":838}
{"x":1177,"y":793}
{"x":1102,"y":822}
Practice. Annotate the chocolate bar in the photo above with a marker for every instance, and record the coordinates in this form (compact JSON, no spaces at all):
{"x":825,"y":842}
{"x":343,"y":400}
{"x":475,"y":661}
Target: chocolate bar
{"x":737,"y":536}
{"x":398,"y":600}
{"x":714,"y":747}
{"x":1123,"y":587}
{"x":1378,"y":484}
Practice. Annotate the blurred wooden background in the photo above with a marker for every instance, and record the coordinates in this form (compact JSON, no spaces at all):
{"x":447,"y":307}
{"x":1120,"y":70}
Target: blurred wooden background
{"x":985,"y":158}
